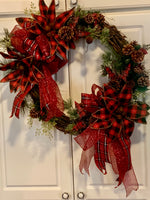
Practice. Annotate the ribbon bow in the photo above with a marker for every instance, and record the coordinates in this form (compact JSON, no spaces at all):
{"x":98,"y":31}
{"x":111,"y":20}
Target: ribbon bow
{"x":109,"y":120}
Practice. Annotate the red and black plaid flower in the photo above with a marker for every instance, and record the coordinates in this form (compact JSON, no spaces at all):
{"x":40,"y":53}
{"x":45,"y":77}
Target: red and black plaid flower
{"x":45,"y":27}
{"x":23,"y":76}
{"x":111,"y":116}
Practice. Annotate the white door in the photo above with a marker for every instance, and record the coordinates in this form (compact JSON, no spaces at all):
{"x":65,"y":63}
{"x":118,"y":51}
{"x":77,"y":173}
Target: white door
{"x":31,"y":167}
{"x":83,"y":73}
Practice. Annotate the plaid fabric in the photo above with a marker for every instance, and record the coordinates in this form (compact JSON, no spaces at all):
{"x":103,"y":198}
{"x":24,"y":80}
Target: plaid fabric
{"x":25,"y":22}
{"x":42,"y":21}
{"x":110,"y":73}
{"x":98,"y":124}
{"x":14,"y":85}
{"x":102,"y":114}
{"x":30,"y":45}
{"x":125,"y":73}
{"x":12,"y":53}
{"x":61,"y":52}
{"x":122,"y":76}
{"x":43,"y":8}
{"x":128,"y":127}
{"x":51,"y":12}
{"x":111,"y":104}
{"x":18,"y":101}
{"x":11,"y":76}
{"x":53,"y":46}
{"x":115,"y":129}
{"x":109,"y":92}
{"x":61,"y":42}
{"x":9,"y":66}
{"x":99,"y":92}
{"x":101,"y":153}
{"x":80,"y":110}
{"x":135,"y":111}
{"x":62,"y":18}
{"x":125,"y":95}
{"x":89,"y":102}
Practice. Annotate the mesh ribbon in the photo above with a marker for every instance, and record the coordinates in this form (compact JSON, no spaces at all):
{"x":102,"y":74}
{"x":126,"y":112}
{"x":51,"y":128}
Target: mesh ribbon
{"x":50,"y":97}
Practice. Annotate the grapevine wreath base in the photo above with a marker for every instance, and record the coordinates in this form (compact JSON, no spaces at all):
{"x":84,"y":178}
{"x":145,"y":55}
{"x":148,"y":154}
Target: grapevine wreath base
{"x":104,"y":120}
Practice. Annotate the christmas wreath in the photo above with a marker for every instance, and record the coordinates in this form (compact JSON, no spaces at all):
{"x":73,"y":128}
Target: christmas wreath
{"x":104,"y":120}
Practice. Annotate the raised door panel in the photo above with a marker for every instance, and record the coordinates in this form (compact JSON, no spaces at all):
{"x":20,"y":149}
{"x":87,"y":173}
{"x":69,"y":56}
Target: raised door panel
{"x":109,"y":4}
{"x":84,"y":71}
{"x":32,"y":166}
{"x":18,"y":6}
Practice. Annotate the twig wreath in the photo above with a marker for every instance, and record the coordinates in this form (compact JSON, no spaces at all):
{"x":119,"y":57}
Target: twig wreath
{"x":104,"y":120}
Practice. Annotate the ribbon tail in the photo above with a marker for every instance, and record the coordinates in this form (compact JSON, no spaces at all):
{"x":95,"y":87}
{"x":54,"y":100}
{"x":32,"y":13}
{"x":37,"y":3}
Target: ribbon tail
{"x":18,"y":101}
{"x":50,"y":97}
{"x":85,"y":161}
{"x":120,"y":160}
{"x":130,"y":182}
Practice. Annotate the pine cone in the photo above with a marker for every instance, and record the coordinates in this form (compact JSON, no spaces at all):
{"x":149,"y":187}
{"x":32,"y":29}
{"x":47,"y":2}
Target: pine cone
{"x":139,"y":69}
{"x":66,"y":33}
{"x":89,"y":19}
{"x":100,"y":19}
{"x":137,"y":56}
{"x":127,"y":49}
{"x":134,"y":43}
{"x":143,"y":81}
{"x":34,"y":113}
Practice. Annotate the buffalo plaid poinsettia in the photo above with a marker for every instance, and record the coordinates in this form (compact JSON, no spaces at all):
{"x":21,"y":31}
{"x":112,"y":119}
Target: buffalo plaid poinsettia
{"x":45,"y":27}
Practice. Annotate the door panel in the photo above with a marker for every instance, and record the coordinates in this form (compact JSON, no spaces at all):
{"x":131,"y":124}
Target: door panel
{"x":18,"y":6}
{"x":84,"y":61}
{"x":109,"y":4}
{"x":32,"y":167}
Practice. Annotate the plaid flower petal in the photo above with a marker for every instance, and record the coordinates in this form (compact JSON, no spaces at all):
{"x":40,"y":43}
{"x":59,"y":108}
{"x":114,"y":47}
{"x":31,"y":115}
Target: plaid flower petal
{"x":61,"y":42}
{"x":141,"y":121}
{"x":62,"y":18}
{"x":143,"y":105}
{"x":51,"y":13}
{"x":128,"y":127}
{"x":99,"y":124}
{"x":89,"y":102}
{"x":25,"y":22}
{"x":41,"y":20}
{"x":11,"y":76}
{"x":115,"y":129}
{"x":8,"y":66}
{"x":135,"y":112}
{"x":125,"y":95}
{"x":109,"y":92}
{"x":14,"y":85}
{"x":43,"y":8}
{"x":111,"y":104}
{"x":80,"y":110}
{"x":102,"y":114}
{"x":61,"y":52}
{"x":53,"y":46}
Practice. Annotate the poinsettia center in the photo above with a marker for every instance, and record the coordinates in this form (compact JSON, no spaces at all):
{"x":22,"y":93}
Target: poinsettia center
{"x":47,"y":28}
{"x":51,"y":33}
{"x":119,"y":113}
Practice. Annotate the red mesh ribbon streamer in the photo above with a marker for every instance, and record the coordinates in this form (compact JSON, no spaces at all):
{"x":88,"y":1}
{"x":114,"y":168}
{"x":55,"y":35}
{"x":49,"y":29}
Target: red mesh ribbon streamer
{"x":120,"y":166}
{"x":50,"y":97}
